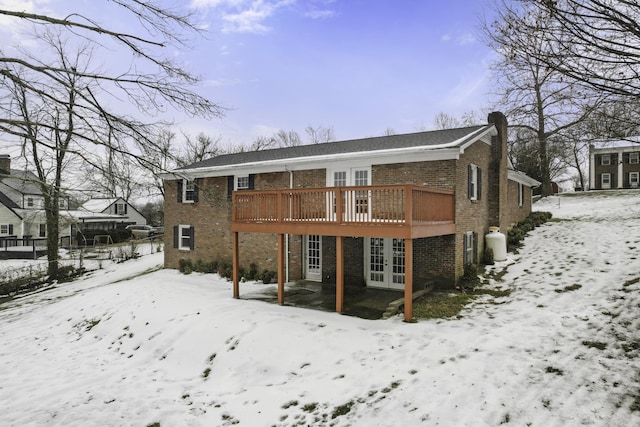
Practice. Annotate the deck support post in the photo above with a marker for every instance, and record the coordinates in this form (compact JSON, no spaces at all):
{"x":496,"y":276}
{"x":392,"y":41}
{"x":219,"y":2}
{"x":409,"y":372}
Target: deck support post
{"x":281,"y":268}
{"x":339,"y":274}
{"x":235,"y":259}
{"x":408,"y":280}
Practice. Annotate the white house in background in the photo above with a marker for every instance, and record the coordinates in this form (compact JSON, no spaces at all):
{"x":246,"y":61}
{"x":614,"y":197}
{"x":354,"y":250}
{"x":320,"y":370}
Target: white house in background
{"x":22,"y":214}
{"x":108,"y":213}
{"x":614,"y":164}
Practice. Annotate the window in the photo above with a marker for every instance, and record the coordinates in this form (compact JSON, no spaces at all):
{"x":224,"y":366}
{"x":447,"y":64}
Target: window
{"x":29,"y":202}
{"x":605,"y":160}
{"x":42,"y":232}
{"x":62,"y":204}
{"x":189,"y":191}
{"x":6,"y":229}
{"x":242,"y":182}
{"x":605,"y":180}
{"x":340,"y":179}
{"x":634,"y":158}
{"x":520,"y":194}
{"x":183,"y":237}
{"x":475,"y":182}
{"x":121,"y":208}
{"x":470,"y":248}
{"x":634,"y":179}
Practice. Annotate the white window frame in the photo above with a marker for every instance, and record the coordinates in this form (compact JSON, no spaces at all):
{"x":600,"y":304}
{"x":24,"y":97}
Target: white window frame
{"x":634,"y":158}
{"x":30,"y":202}
{"x":4,"y":229}
{"x":606,"y":157}
{"x":634,"y":178}
{"x":520,"y":194}
{"x":182,"y":238}
{"x":470,"y":254}
{"x":608,"y":181}
{"x":120,"y":208}
{"x":188,"y":191}
{"x":40,"y":230}
{"x":241,"y":182}
{"x":473,"y":181}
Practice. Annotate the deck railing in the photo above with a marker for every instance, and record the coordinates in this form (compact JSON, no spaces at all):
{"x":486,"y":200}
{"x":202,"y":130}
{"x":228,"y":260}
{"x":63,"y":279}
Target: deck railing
{"x":397,"y":204}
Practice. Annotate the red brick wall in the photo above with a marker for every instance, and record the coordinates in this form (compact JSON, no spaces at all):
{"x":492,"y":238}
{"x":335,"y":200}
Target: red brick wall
{"x":517,"y":213}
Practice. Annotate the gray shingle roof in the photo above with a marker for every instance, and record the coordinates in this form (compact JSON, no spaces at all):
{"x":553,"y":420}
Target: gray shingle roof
{"x":432,"y":138}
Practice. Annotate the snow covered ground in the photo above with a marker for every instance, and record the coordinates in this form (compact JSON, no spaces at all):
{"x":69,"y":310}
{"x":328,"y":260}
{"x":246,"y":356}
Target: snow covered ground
{"x":121,"y":347}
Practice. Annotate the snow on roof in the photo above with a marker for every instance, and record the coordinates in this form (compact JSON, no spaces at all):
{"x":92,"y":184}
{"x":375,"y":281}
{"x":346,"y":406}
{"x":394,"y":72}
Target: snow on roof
{"x":99,"y":204}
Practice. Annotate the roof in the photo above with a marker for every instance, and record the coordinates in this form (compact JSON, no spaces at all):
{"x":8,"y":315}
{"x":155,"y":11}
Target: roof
{"x":10,"y":204}
{"x":448,"y":138}
{"x":24,"y":182}
{"x":631,"y":142}
{"x":82,"y":215}
{"x":99,"y":204}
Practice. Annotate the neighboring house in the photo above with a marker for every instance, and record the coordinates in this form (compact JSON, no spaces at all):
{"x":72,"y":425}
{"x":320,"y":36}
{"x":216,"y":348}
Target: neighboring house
{"x":614,"y":164}
{"x":392,"y":212}
{"x":22,"y":214}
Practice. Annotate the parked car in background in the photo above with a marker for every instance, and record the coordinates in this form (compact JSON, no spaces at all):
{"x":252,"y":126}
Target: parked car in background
{"x":140,"y":231}
{"x":158,"y":230}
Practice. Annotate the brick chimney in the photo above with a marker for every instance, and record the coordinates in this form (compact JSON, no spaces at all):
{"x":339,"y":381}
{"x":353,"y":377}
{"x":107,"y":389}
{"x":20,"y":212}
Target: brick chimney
{"x":498,"y":176}
{"x":5,"y":164}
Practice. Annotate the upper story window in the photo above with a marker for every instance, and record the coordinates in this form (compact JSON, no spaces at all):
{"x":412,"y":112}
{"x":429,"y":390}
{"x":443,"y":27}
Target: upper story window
{"x":121,"y":208}
{"x":6,"y":229}
{"x":242,"y":182}
{"x":187,"y":191}
{"x":340,"y":179}
{"x":474,"y":182}
{"x":30,"y":202}
{"x":634,"y":158}
{"x":62,"y":204}
{"x":605,"y":160}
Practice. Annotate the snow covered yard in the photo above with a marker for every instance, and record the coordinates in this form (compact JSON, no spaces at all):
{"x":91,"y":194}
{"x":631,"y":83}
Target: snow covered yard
{"x":124,"y":348}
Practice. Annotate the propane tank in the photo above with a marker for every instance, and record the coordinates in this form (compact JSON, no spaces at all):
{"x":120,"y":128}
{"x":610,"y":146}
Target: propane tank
{"x":497,"y":242}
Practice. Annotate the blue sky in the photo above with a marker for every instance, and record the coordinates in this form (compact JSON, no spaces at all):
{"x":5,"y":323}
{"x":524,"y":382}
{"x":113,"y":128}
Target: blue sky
{"x":359,"y":66}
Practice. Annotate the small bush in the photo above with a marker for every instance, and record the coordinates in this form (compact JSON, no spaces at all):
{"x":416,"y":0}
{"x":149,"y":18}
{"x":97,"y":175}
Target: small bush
{"x":487,"y":257}
{"x":470,"y":279}
{"x":516,"y":235}
{"x":185,"y":266}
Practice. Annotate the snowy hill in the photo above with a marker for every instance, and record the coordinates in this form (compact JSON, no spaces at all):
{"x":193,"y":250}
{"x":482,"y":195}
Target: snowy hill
{"x":121,"y":348}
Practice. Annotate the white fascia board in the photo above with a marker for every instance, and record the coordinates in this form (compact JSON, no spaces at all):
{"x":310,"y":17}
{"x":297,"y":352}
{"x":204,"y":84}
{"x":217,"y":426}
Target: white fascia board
{"x":379,"y":157}
{"x":484,"y":136}
{"x":523,"y":179}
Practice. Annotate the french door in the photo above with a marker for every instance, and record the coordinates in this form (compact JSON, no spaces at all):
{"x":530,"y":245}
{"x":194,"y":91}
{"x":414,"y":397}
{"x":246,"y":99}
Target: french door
{"x":313,"y":264}
{"x":384,"y":262}
{"x":356,"y":203}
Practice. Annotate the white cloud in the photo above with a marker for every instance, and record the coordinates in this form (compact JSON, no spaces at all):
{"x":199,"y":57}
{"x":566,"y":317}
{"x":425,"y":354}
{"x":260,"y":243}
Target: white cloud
{"x":320,"y":14}
{"x":243,"y":16}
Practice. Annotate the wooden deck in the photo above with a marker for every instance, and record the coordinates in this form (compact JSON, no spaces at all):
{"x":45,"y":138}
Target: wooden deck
{"x":396,"y":211}
{"x":400,"y":211}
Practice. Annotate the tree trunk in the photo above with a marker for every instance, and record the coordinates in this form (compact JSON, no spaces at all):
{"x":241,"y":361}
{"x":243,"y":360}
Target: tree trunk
{"x":53,"y":233}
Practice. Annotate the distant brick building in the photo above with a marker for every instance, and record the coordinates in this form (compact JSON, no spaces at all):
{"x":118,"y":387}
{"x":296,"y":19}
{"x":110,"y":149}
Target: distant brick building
{"x":614,"y":164}
{"x":391,"y":212}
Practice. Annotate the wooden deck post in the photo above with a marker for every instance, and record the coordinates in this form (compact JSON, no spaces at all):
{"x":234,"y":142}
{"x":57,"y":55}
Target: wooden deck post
{"x":281,"y":268}
{"x":408,"y":280}
{"x":339,"y":273}
{"x":235,"y":261}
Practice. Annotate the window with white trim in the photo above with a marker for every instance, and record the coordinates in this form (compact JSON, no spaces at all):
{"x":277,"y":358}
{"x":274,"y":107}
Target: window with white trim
{"x":6,"y":229}
{"x":242,"y":182}
{"x":339,"y":178}
{"x":605,"y":160}
{"x":520,"y":194}
{"x":605,"y":180}
{"x":185,"y":237}
{"x":474,"y":182}
{"x":120,"y":209}
{"x":189,"y":190}
{"x":42,"y":230}
{"x":634,"y":179}
{"x":470,"y":254}
{"x":29,"y":202}
{"x":634,"y":158}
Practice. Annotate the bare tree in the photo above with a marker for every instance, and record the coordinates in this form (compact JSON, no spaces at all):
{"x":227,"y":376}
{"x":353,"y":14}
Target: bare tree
{"x":595,"y":42}
{"x":444,"y":120}
{"x":285,"y":138}
{"x":64,"y":108}
{"x":536,"y":98}
{"x":320,"y":134}
{"x":201,"y":148}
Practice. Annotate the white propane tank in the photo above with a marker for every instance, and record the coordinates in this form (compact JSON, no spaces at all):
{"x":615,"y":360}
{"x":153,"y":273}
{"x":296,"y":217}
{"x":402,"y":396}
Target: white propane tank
{"x":497,"y":242}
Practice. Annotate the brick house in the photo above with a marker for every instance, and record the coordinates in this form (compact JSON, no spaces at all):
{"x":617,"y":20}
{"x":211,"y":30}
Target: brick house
{"x":390,"y":212}
{"x":614,"y":164}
